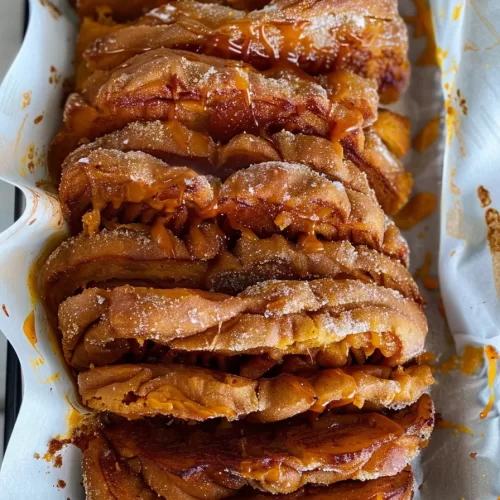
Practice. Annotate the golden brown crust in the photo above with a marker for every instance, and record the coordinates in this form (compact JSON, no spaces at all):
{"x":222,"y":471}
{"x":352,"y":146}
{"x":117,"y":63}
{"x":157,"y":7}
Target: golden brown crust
{"x":193,"y":393}
{"x":369,"y":39}
{"x":106,"y":477}
{"x":181,"y":85}
{"x":275,"y":318}
{"x":385,"y":173}
{"x":254,"y":260}
{"x":398,"y":487}
{"x":264,"y":199}
{"x":274,"y":197}
{"x":133,"y":186}
{"x":176,"y":144}
{"x":129,"y":254}
{"x":331,"y":449}
{"x":130,"y":9}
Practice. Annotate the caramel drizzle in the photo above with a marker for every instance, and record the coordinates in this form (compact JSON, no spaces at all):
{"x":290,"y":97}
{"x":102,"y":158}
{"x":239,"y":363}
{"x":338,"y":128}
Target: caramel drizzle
{"x":161,"y":210}
{"x":239,"y":37}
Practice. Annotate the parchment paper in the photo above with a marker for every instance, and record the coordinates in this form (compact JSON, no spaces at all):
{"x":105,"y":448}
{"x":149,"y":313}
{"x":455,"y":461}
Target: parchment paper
{"x":465,"y":92}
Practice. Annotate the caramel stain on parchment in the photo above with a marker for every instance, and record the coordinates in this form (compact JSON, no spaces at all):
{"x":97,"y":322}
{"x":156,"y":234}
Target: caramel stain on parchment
{"x":462,"y":102}
{"x":424,"y":271}
{"x":26,"y":99}
{"x":424,"y":27}
{"x":468,"y":363}
{"x":471,"y":47}
{"x":454,"y":221}
{"x":454,"y":98}
{"x":38,"y":119}
{"x":453,"y":187}
{"x":450,"y":364}
{"x":473,"y":454}
{"x":487,"y":24}
{"x":425,"y":268}
{"x":4,"y":309}
{"x":61,"y":484}
{"x":457,"y":11}
{"x":484,"y":196}
{"x":81,"y":428}
{"x":458,"y":428}
{"x":453,"y":128}
{"x":427,"y":136}
{"x":421,"y":206}
{"x":441,"y":55}
{"x":492,"y":218}
{"x":492,"y":357}
{"x":472,"y":360}
{"x":54,"y":11}
{"x":53,"y":378}
{"x":30,"y":333}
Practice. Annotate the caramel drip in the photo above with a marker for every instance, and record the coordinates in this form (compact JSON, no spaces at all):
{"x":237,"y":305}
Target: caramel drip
{"x":244,"y":39}
{"x":163,"y":236}
{"x":91,"y":222}
{"x":492,"y":356}
{"x":309,"y":242}
{"x":168,"y":398}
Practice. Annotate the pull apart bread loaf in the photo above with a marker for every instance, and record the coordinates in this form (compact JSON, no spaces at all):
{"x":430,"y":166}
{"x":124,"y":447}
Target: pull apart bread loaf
{"x":234,"y":299}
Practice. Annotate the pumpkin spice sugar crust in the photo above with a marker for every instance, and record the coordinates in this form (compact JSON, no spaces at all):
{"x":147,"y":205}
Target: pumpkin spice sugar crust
{"x":323,"y":317}
{"x":130,"y":254}
{"x":221,"y":97}
{"x":174,"y":143}
{"x":193,"y":393}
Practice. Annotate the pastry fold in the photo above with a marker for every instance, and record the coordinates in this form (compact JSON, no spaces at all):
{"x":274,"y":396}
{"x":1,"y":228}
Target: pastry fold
{"x":130,"y":254}
{"x":319,"y":37}
{"x":398,"y":487}
{"x":291,"y":198}
{"x":264,"y":199}
{"x":221,"y":97}
{"x":193,"y":393}
{"x":323,"y":318}
{"x":133,"y":186}
{"x":212,"y":461}
{"x":108,"y":476}
{"x":178,"y":145}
